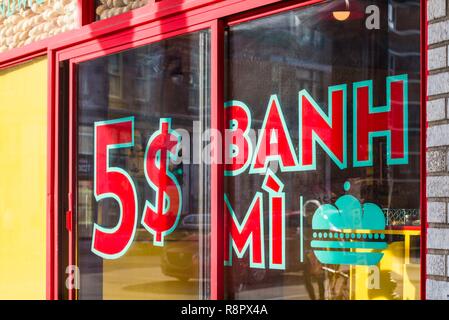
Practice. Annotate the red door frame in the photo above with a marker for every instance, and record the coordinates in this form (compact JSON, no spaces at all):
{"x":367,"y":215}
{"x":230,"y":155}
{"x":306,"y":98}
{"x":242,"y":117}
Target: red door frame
{"x":70,"y":217}
{"x":217,"y":170}
{"x":423,"y":165}
{"x":142,"y":35}
{"x":143,"y":26}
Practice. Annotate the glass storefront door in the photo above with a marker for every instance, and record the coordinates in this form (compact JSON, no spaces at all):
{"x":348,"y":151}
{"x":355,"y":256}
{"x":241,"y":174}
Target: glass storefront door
{"x":142,"y":193}
{"x":321,"y":150}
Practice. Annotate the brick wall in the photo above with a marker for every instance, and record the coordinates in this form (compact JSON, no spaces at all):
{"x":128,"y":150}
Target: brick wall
{"x":438,"y":150}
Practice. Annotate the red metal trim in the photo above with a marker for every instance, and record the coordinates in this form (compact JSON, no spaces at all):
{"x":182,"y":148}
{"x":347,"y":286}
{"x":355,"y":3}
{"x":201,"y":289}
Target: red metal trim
{"x":17,"y":56}
{"x":269,"y":11}
{"x":281,"y":7}
{"x":72,"y":121}
{"x":126,"y":41}
{"x":56,"y":165}
{"x":423,"y":142}
{"x":159,"y":27}
{"x":96,"y":29}
{"x":191,"y":12}
{"x":86,"y":12}
{"x":51,"y":118}
{"x":86,"y":15}
{"x":217,"y":170}
{"x":89,"y":42}
{"x":405,"y":228}
{"x":138,"y":36}
{"x":72,"y":171}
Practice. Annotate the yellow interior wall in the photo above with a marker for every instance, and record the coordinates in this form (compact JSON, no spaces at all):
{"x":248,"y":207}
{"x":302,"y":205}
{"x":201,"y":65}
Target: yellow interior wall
{"x":23,"y":161}
{"x":396,"y":278}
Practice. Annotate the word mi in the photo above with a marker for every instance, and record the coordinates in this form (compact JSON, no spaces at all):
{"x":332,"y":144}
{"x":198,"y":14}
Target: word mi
{"x":329,"y":130}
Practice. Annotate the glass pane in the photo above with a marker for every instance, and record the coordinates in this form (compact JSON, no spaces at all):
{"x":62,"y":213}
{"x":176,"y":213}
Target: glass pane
{"x":142,"y":206}
{"x":322,"y":194}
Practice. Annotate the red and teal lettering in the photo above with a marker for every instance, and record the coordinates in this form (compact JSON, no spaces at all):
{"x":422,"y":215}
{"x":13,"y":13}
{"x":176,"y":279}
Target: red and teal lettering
{"x":328,"y":130}
{"x":247,"y":235}
{"x":114,"y":183}
{"x":274,"y":141}
{"x":162,"y":218}
{"x":274,"y":187}
{"x":390,"y":121}
{"x":239,"y":149}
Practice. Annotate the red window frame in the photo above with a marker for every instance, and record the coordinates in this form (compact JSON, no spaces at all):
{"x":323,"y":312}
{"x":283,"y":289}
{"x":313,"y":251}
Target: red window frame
{"x":140,"y":27}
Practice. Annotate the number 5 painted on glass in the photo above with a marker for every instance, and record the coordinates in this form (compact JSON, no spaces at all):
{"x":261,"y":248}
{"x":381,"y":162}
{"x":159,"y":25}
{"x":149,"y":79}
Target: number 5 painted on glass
{"x":114,"y":183}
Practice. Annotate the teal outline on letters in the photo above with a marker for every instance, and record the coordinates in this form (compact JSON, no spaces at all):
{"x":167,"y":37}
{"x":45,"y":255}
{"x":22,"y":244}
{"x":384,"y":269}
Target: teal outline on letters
{"x":112,"y":195}
{"x":271,"y":194}
{"x":270,"y":158}
{"x":328,"y":119}
{"x":385,"y":133}
{"x":249,"y":241}
{"x":242,"y":105}
{"x":173,"y":156}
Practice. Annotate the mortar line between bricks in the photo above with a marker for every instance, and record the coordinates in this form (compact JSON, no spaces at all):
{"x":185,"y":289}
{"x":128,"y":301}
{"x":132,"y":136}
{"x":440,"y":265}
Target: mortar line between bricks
{"x":438,"y":251}
{"x":437,"y":123}
{"x":437,"y":174}
{"x":439,"y":70}
{"x":438,"y":96}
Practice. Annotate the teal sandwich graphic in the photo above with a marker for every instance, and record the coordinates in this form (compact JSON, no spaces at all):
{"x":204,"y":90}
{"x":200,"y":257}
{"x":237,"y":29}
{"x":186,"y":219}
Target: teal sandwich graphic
{"x":348,"y":233}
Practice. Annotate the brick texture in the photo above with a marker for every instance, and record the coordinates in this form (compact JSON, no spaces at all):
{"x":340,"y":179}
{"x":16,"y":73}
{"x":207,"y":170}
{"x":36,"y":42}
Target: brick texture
{"x":436,"y":9}
{"x":436,"y":264}
{"x":436,"y":212}
{"x":437,"y":153}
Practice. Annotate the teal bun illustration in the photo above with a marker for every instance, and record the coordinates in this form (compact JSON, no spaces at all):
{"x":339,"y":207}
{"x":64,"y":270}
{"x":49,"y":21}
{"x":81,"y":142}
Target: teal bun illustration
{"x":348,"y":233}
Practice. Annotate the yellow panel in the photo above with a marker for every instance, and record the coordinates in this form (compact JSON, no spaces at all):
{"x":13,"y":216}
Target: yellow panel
{"x":393,"y":278}
{"x":23,"y":161}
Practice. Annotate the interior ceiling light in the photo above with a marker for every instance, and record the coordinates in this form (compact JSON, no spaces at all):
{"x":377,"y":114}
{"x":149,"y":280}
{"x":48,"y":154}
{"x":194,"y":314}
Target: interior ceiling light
{"x":342,"y":15}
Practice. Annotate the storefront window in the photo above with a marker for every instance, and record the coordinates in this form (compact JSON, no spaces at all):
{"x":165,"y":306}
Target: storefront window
{"x":142,"y":200}
{"x":322,"y":190}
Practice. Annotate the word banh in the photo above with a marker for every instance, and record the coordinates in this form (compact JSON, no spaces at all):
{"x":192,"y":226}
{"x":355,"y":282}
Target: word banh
{"x":316,"y":127}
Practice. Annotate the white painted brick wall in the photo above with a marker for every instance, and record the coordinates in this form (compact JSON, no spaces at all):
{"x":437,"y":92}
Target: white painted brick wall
{"x":436,"y":212}
{"x":437,"y":290}
{"x":436,"y":9}
{"x":438,"y":136}
{"x":437,"y":186}
{"x":438,"y":32}
{"x":436,"y":265}
{"x":436,"y":109}
{"x":438,"y":83}
{"x":436,"y":161}
{"x":437,"y":153}
{"x":437,"y":58}
{"x":438,"y":238}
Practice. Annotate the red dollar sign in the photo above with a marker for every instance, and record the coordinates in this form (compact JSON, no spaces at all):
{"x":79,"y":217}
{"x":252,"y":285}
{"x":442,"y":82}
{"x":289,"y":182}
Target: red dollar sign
{"x":162,"y":218}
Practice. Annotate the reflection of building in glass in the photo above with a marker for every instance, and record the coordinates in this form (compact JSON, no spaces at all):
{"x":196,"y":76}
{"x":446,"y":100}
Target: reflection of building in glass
{"x":151,"y":82}
{"x":168,"y":79}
